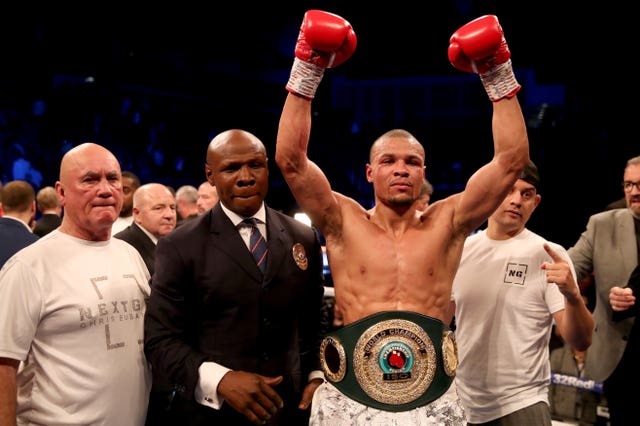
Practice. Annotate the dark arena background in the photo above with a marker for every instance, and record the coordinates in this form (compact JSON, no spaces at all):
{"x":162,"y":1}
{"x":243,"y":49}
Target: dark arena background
{"x":154,"y":83}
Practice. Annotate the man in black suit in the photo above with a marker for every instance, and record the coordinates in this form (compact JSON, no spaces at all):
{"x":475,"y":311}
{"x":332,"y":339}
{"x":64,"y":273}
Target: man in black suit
{"x":19,"y":205}
{"x":154,"y":216}
{"x":49,"y":206}
{"x":240,"y":346}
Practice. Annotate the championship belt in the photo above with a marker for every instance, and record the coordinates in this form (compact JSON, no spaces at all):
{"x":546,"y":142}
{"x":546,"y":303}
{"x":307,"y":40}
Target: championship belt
{"x":393,"y":360}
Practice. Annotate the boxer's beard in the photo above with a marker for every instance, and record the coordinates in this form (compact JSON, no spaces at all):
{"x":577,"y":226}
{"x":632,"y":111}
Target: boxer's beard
{"x":400,"y":202}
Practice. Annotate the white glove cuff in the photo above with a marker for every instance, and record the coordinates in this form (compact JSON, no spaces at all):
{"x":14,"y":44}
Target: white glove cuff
{"x":500,"y":82}
{"x":305,"y":78}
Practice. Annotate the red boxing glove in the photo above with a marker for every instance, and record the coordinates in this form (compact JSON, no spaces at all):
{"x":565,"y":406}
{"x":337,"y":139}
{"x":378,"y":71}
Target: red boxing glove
{"x":325,"y":41}
{"x":480,"y":47}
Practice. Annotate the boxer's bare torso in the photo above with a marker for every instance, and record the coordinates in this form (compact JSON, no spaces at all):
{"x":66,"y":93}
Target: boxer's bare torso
{"x":381,"y":261}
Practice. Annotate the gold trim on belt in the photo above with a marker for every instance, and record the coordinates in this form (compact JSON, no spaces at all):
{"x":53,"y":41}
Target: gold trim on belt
{"x":392,"y":360}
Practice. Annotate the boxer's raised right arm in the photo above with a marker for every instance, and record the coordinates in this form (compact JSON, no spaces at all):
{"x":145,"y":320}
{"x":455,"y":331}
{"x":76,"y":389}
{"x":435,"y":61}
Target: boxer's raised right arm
{"x":325,"y":40}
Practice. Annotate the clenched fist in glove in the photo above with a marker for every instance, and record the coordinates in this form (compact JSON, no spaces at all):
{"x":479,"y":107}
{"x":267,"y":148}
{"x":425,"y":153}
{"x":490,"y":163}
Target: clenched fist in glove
{"x":480,"y":47}
{"x":325,"y":41}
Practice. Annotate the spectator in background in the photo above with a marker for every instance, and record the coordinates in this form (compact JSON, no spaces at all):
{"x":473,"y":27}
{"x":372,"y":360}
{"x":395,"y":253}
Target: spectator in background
{"x":207,"y":197}
{"x":19,"y":205}
{"x":72,"y":306}
{"x":154,"y":216}
{"x":186,"y":203}
{"x":22,"y":168}
{"x":130,"y":182}
{"x":50,"y":209}
{"x":610,"y":248}
{"x":426,"y":191}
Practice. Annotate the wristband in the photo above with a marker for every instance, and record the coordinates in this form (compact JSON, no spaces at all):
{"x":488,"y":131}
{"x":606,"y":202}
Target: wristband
{"x":500,"y":82}
{"x":304,"y":78}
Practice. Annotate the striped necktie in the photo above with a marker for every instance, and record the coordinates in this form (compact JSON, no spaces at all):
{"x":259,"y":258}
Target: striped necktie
{"x":257,"y":244}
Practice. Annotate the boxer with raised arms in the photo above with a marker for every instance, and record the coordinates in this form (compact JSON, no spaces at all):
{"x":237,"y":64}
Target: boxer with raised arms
{"x":393,"y":269}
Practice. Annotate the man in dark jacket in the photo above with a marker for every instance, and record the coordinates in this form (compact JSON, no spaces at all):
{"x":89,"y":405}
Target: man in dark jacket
{"x":154,"y":216}
{"x":19,"y":205}
{"x":241,"y":346}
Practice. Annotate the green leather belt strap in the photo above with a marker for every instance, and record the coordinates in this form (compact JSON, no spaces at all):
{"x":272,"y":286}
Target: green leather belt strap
{"x":392,"y":360}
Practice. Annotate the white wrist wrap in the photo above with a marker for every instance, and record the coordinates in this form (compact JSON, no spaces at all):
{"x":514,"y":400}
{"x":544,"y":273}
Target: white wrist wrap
{"x":500,"y":82}
{"x":305,"y":78}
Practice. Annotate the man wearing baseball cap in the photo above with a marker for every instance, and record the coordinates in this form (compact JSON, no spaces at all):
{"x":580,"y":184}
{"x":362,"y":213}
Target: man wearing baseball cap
{"x":510,"y":288}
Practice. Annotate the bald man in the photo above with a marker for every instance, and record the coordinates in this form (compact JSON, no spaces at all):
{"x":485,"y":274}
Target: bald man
{"x":72,"y":306}
{"x":154,"y":216}
{"x":186,"y":203}
{"x":236,"y":342}
{"x":207,"y":197}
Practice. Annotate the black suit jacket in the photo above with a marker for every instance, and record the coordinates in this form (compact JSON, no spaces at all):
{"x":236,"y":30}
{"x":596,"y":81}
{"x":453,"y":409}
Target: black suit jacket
{"x":634,"y":285}
{"x":47,"y":223}
{"x":14,"y":236}
{"x":210,"y":302}
{"x":135,"y":236}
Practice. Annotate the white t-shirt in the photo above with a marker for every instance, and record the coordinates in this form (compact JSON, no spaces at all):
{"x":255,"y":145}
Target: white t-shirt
{"x":121,"y":224}
{"x":504,"y":320}
{"x":72,"y":311}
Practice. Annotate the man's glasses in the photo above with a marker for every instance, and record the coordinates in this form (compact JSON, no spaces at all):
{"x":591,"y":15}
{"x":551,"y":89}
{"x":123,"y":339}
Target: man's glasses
{"x":628,"y":185}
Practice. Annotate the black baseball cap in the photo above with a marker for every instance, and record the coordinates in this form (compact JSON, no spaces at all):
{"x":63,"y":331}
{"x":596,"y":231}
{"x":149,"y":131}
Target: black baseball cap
{"x":530,"y":175}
